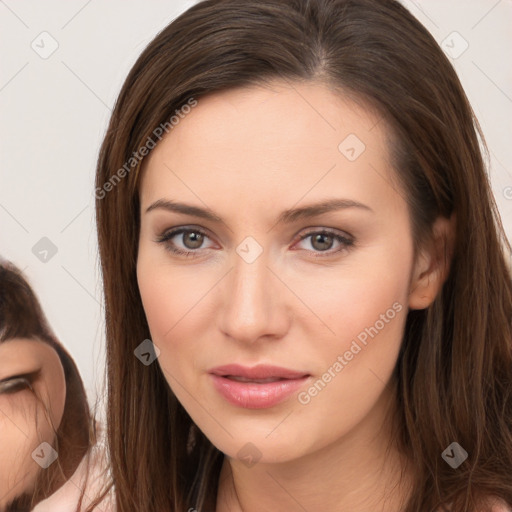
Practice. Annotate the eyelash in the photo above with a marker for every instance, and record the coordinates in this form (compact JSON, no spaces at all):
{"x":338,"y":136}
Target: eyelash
{"x":11,"y":386}
{"x":346,"y":242}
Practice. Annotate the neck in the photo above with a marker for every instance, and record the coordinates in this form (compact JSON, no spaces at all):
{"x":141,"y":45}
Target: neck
{"x":360,"y":472}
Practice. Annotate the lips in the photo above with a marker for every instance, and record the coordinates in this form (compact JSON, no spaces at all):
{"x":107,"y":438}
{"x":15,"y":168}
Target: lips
{"x":257,"y":381}
{"x":259,"y":372}
{"x":259,"y":387}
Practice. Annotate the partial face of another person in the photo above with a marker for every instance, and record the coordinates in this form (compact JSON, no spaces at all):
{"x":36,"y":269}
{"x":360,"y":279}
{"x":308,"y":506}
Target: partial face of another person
{"x":322,"y":293}
{"x":32,"y":397}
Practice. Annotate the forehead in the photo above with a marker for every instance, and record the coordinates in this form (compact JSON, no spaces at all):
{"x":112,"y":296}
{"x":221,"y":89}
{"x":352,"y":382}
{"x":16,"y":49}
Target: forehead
{"x":272,"y":119}
{"x":271,"y":142}
{"x":23,"y":353}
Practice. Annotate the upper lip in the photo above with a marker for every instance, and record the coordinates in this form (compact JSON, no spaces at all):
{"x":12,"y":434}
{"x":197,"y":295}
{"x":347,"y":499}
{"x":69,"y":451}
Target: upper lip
{"x":261,"y":371}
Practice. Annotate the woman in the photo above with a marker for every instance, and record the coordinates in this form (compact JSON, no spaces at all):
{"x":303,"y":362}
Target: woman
{"x":308,"y":305}
{"x":45,"y":424}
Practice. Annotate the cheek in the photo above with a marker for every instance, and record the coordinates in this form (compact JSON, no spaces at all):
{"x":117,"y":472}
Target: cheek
{"x":23,"y":427}
{"x":166,"y":296}
{"x":171,"y":299}
{"x":367,"y":290}
{"x":366,"y":308}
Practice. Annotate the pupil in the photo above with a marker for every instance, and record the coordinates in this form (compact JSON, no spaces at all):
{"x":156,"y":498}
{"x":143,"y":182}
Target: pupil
{"x":321,"y":237}
{"x":195,"y":239}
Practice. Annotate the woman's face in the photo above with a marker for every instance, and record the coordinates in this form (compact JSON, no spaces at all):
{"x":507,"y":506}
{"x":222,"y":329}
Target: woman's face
{"x":25,"y":421}
{"x":262,"y":285}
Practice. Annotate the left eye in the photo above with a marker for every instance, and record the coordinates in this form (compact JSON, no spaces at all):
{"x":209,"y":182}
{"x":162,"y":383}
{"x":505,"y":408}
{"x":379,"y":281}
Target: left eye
{"x":14,"y":384}
{"x":318,"y":242}
{"x":196,"y":240}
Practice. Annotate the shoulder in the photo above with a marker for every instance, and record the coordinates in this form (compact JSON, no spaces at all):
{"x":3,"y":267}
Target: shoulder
{"x":90,"y":478}
{"x":495,"y":504}
{"x":490,"y":504}
{"x":67,"y":498}
{"x":501,"y":506}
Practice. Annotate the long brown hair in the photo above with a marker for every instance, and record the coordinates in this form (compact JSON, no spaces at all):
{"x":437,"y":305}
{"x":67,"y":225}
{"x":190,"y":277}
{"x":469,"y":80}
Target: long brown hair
{"x":21,"y":316}
{"x":454,"y":371}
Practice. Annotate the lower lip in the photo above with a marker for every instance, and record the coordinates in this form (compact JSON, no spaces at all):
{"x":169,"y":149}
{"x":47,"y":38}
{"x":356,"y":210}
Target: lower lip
{"x":251,"y":395}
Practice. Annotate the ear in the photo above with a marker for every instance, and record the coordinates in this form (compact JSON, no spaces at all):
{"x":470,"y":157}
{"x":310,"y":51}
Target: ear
{"x":432,"y":264}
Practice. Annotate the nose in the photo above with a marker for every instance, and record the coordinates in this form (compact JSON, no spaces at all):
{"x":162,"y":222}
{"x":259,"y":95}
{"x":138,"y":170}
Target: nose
{"x":255,"y":303}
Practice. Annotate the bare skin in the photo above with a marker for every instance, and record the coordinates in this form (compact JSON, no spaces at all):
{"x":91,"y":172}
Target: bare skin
{"x":26,"y":422}
{"x":248,"y":155}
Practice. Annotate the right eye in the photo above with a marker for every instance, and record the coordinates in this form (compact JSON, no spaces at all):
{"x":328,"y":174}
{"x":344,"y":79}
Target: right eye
{"x":14,"y":385}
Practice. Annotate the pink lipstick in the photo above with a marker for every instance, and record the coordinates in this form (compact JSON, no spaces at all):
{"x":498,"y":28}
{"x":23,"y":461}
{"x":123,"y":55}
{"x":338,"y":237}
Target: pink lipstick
{"x":256,"y":387}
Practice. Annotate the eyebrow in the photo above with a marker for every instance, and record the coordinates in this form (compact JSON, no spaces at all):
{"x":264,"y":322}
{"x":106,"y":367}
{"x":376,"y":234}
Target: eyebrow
{"x":286,"y":217}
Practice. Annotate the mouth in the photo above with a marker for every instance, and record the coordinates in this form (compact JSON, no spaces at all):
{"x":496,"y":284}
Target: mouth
{"x":256,"y":381}
{"x":259,"y":387}
{"x":259,"y":372}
